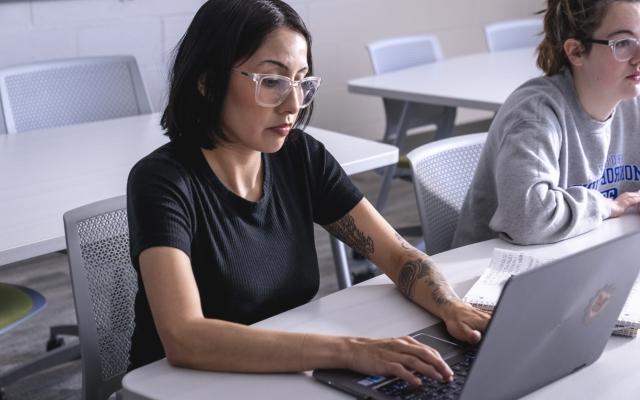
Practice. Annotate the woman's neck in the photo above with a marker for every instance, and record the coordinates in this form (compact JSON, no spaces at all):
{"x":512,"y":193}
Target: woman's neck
{"x":241,"y":171}
{"x":593,"y":99}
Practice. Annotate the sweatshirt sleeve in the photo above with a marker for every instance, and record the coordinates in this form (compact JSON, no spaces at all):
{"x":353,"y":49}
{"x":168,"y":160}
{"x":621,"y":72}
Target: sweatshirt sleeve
{"x":532,"y":207}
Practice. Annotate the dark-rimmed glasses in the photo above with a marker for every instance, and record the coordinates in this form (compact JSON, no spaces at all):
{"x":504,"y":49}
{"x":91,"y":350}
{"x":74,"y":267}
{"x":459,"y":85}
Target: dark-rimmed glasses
{"x":623,"y":49}
{"x":272,"y":90}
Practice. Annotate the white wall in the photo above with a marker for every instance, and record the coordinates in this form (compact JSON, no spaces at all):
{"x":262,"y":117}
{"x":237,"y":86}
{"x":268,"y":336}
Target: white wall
{"x":39,"y":30}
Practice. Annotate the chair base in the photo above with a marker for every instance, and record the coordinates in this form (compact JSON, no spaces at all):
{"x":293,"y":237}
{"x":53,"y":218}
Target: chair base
{"x":48,"y":360}
{"x":56,"y":354}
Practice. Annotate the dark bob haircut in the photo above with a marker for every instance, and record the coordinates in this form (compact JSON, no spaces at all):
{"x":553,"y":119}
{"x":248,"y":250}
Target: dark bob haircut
{"x":222,"y":34}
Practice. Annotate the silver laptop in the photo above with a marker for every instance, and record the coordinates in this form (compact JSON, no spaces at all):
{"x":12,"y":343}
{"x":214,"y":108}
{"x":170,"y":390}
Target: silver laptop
{"x":549,"y":322}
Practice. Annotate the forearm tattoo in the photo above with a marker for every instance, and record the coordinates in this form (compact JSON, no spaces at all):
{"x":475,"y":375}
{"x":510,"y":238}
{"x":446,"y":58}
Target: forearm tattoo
{"x":346,"y":230}
{"x":406,"y":246}
{"x":422,"y":269}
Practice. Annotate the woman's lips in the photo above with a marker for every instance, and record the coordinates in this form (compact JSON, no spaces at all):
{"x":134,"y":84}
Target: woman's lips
{"x":282,"y":129}
{"x":635,"y":76}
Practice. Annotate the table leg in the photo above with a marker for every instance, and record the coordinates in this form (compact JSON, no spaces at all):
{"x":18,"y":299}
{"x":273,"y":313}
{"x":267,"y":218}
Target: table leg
{"x":341,"y":263}
{"x":390,"y":171}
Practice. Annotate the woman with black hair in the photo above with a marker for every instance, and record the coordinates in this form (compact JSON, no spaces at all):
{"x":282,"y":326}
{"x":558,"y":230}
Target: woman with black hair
{"x":221,"y":218}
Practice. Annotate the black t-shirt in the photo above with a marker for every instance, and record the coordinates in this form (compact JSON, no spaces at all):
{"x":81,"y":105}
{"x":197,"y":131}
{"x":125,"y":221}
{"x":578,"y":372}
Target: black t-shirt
{"x":251,"y":260}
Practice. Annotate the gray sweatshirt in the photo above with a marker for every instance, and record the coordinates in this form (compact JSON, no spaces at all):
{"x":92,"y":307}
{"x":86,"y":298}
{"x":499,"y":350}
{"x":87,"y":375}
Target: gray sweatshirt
{"x":547,"y":166}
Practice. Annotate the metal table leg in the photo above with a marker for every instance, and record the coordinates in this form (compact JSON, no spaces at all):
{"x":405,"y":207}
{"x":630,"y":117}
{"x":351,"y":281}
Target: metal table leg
{"x":341,"y":263}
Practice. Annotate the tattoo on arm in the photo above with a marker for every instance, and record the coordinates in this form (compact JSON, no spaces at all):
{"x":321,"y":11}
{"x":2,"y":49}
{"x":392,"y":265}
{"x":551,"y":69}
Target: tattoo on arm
{"x":409,"y":274}
{"x":346,"y":230}
{"x":423,"y":270}
{"x":406,"y":246}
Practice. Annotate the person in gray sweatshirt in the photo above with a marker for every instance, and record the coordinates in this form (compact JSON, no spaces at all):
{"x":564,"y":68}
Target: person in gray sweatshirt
{"x":563,"y":152}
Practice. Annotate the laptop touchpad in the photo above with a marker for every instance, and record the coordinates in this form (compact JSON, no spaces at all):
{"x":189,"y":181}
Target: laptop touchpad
{"x":445,"y":348}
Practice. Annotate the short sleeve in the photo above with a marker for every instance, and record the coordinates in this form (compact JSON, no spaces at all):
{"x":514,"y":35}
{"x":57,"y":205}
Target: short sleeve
{"x":333,"y":193}
{"x":159,"y":207}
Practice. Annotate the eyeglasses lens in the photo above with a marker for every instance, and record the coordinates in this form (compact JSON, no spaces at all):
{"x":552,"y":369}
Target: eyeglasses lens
{"x":273,"y":90}
{"x":625,"y":49}
{"x":309,"y":89}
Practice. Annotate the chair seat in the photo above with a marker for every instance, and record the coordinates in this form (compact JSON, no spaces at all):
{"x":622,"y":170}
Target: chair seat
{"x":403,"y":162}
{"x":17,"y":304}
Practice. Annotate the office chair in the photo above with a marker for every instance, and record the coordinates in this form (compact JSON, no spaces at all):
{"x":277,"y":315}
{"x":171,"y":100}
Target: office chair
{"x":513,"y":34}
{"x":3,"y":126}
{"x":104,"y":288}
{"x":17,"y":304}
{"x":398,"y":53}
{"x":71,"y":91}
{"x":57,"y":93}
{"x":442,"y":173}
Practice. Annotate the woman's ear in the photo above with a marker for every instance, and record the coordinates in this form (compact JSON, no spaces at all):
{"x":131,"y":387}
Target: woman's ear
{"x":574,"y":50}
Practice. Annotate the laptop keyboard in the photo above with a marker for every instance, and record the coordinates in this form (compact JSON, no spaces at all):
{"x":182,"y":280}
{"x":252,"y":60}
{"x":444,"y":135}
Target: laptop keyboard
{"x":430,"y":388}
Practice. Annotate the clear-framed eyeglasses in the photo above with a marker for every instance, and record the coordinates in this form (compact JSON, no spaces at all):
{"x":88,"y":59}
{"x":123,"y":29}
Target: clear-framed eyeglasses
{"x":272,"y":90}
{"x":623,"y":49}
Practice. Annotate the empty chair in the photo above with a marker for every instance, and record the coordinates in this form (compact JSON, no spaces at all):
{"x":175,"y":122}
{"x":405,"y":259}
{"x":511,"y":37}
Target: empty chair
{"x":104,"y":288}
{"x":18,"y":304}
{"x":399,"y":53}
{"x":3,"y":126}
{"x":442,"y":172}
{"x":58,"y":93}
{"x":513,"y":34}
{"x":64,"y":92}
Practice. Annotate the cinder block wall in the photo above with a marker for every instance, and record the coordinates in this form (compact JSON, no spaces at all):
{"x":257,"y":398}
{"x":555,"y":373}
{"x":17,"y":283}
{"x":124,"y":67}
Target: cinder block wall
{"x":47,"y":29}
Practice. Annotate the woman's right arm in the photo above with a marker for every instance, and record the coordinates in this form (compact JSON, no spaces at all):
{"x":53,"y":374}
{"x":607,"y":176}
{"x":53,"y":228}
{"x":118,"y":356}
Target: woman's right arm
{"x":532,"y":207}
{"x":193,"y":341}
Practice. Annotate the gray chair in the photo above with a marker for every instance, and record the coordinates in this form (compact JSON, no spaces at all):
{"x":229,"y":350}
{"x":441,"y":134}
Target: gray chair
{"x":70,"y":91}
{"x":3,"y":126}
{"x":513,"y":34}
{"x":57,"y":93}
{"x":442,"y":173}
{"x":104,"y":288}
{"x":17,"y":305}
{"x":398,"y":53}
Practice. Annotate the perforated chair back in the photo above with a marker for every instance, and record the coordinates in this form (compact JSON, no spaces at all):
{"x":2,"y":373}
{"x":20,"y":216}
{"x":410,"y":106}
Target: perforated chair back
{"x":513,"y":34}
{"x":442,"y":173}
{"x":64,"y":92}
{"x":104,"y":287}
{"x":3,"y":125}
{"x":404,"y":52}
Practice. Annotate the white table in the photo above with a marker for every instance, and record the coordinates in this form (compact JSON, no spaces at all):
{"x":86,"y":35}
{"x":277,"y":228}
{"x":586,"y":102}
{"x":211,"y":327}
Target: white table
{"x":376,"y":309}
{"x":47,"y":172}
{"x":481,"y":81}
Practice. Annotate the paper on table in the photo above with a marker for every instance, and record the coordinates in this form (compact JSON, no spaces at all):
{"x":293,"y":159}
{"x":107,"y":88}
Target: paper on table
{"x":484,"y":294}
{"x":629,"y":320}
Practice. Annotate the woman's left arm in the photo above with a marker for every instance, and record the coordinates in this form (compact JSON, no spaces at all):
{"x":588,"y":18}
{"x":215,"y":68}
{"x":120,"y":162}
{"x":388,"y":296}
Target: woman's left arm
{"x":413,"y":272}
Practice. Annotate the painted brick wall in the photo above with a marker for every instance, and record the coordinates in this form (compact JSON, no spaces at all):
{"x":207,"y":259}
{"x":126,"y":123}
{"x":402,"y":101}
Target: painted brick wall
{"x":149,"y":29}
